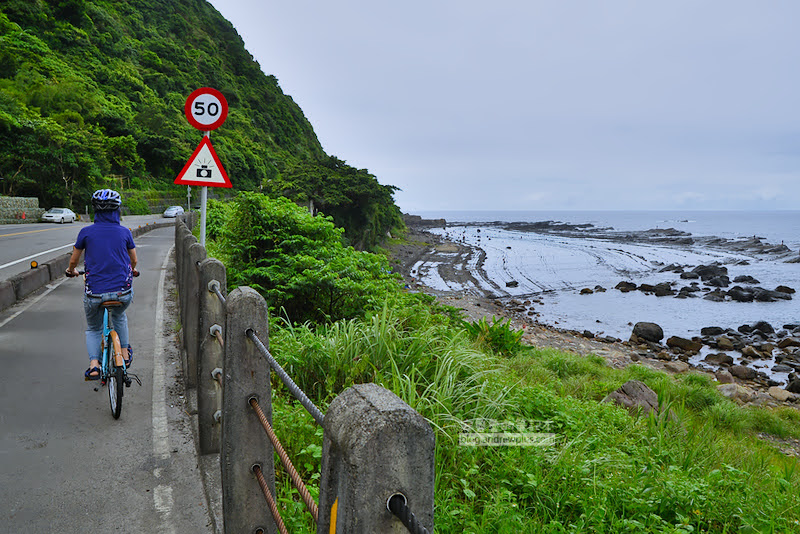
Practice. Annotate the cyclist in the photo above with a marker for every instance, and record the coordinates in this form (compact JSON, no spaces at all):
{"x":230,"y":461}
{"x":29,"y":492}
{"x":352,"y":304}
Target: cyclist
{"x":110,"y":267}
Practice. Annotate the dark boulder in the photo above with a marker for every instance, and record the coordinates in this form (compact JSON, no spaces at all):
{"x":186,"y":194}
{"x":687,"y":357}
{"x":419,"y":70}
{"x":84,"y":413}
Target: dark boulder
{"x":648,"y":331}
{"x":740,"y":294}
{"x":663,"y":289}
{"x":625,"y":286}
{"x":743,"y":372}
{"x":785,"y":289}
{"x":764,"y":326}
{"x":745,"y":279}
{"x":794,"y":386}
{"x":788,"y":342}
{"x":690,"y":276}
{"x":712,"y":331}
{"x":688,"y":345}
{"x":707,"y":272}
{"x":715,"y":296}
{"x":719,"y":281}
{"x":719,"y":358}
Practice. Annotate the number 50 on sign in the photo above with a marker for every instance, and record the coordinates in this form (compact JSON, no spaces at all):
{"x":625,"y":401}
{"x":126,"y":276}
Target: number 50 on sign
{"x":206,"y":109}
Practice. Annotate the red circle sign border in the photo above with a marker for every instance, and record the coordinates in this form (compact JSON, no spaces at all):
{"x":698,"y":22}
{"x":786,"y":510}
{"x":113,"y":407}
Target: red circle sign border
{"x":187,"y":108}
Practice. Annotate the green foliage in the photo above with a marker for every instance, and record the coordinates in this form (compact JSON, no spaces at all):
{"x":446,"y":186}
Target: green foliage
{"x":352,"y":197}
{"x":298,"y":261}
{"x":92,"y":91}
{"x":497,"y":336}
{"x":683,"y":470}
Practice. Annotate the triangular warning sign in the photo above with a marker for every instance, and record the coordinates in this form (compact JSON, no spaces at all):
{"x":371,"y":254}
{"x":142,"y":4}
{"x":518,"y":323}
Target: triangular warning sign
{"x":204,"y":168}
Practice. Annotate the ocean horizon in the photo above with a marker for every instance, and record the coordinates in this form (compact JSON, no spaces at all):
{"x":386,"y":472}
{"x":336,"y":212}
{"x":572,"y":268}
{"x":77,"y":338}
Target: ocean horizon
{"x":775,"y":226}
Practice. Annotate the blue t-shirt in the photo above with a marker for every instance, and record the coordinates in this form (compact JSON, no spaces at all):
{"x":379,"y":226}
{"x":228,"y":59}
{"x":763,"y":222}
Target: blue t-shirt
{"x":106,"y":244}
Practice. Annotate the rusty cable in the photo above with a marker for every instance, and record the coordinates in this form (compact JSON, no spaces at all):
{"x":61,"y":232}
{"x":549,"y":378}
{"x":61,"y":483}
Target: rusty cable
{"x":273,"y":506}
{"x":287,"y":463}
{"x":293,"y":388}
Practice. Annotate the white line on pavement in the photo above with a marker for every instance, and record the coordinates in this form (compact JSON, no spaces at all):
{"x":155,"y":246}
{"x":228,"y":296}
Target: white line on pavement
{"x":50,"y":287}
{"x":162,"y":497}
{"x":34,"y":255}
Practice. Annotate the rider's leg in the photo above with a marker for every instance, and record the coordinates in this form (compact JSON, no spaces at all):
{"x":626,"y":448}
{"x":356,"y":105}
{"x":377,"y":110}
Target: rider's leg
{"x":94,"y":329}
{"x":120,"y":320}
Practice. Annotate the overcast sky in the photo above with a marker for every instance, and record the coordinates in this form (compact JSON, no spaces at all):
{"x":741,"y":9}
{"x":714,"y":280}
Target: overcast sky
{"x":546,"y":104}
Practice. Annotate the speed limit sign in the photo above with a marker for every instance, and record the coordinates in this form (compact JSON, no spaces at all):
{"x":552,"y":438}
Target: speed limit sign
{"x":206,"y":109}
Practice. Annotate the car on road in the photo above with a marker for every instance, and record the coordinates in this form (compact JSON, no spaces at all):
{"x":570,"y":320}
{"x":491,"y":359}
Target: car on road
{"x":173,"y":211}
{"x":59,"y":215}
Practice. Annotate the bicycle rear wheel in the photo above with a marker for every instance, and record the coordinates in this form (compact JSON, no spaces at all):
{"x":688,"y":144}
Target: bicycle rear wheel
{"x":115,"y":376}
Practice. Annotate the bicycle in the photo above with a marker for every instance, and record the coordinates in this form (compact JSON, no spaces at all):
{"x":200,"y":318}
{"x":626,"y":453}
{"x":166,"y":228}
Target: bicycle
{"x":113,"y":370}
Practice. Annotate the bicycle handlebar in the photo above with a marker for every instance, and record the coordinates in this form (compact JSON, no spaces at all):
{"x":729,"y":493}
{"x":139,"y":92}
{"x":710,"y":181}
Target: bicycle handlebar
{"x":79,"y":273}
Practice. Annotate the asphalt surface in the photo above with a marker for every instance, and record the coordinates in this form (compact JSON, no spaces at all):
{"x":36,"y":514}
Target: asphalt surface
{"x":21,"y":243}
{"x":65,"y":464}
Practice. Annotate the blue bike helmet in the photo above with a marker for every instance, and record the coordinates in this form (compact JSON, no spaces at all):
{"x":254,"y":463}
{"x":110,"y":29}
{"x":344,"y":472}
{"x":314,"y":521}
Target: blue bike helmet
{"x":106,"y":200}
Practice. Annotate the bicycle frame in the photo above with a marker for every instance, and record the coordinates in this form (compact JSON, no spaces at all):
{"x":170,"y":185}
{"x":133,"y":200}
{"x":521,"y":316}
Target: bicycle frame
{"x":111,"y":348}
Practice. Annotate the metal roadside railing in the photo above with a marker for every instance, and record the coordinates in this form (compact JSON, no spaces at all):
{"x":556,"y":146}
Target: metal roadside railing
{"x":377,"y":454}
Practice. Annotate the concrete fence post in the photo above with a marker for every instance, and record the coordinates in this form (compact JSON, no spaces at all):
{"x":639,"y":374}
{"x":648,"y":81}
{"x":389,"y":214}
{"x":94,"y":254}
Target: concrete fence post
{"x":191,"y":325}
{"x":209,"y":387}
{"x":187,"y":240}
{"x":374,"y":445}
{"x":181,"y":252}
{"x":244,"y":442}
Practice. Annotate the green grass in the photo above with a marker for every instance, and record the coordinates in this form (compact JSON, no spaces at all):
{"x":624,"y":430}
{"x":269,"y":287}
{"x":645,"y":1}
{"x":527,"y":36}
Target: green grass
{"x":696,"y":467}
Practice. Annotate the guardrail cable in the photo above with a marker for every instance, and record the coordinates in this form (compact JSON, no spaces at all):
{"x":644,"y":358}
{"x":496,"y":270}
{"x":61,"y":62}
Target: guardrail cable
{"x":287,"y":463}
{"x":287,"y":380}
{"x":213,"y":286}
{"x":398,"y":505}
{"x":273,"y":506}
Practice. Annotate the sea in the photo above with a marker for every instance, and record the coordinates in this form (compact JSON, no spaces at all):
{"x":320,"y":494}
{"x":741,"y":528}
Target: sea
{"x":552,"y":269}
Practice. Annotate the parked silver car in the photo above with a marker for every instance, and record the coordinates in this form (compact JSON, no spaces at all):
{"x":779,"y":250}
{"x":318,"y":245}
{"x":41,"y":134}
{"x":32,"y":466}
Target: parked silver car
{"x":59,"y":215}
{"x":173,"y":211}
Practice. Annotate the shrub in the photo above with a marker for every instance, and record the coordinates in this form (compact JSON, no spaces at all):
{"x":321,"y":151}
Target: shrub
{"x":298,"y":262}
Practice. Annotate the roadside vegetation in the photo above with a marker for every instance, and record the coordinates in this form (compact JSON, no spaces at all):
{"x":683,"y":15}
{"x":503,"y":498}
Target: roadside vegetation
{"x":92,"y":95}
{"x":698,"y":466}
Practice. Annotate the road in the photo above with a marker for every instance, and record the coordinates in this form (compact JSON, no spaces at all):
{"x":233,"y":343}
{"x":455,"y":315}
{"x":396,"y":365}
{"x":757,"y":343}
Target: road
{"x":21,"y":243}
{"x":65,"y":464}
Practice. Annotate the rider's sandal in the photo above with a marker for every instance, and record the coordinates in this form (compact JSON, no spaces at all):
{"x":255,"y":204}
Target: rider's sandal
{"x":129,"y":361}
{"x":89,"y":373}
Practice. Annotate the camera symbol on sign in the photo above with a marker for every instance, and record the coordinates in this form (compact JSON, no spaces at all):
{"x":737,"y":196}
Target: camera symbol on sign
{"x":204,"y":172}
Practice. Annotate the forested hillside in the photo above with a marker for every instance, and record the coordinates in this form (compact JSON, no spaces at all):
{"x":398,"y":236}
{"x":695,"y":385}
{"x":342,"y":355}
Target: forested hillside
{"x":92,"y":94}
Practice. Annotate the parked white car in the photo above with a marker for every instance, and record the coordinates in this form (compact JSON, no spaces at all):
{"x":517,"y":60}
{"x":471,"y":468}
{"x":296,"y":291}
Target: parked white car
{"x":173,"y":211}
{"x":59,"y":215}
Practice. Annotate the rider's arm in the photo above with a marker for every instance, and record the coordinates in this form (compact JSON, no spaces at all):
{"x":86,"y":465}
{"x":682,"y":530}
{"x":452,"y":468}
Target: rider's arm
{"x":134,"y":260}
{"x":73,"y":261}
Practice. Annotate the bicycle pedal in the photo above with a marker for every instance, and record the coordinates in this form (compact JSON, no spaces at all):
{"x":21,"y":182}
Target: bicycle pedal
{"x":134,"y":377}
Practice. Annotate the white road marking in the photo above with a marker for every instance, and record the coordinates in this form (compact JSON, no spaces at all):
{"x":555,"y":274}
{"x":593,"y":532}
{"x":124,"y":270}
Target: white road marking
{"x":50,"y":288}
{"x":34,"y":255}
{"x":162,"y":495}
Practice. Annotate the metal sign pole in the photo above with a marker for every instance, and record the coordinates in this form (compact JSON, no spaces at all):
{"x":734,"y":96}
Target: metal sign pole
{"x":203,"y":200}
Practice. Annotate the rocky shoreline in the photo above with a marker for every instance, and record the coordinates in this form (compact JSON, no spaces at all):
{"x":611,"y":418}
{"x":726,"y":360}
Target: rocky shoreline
{"x":746,"y":383}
